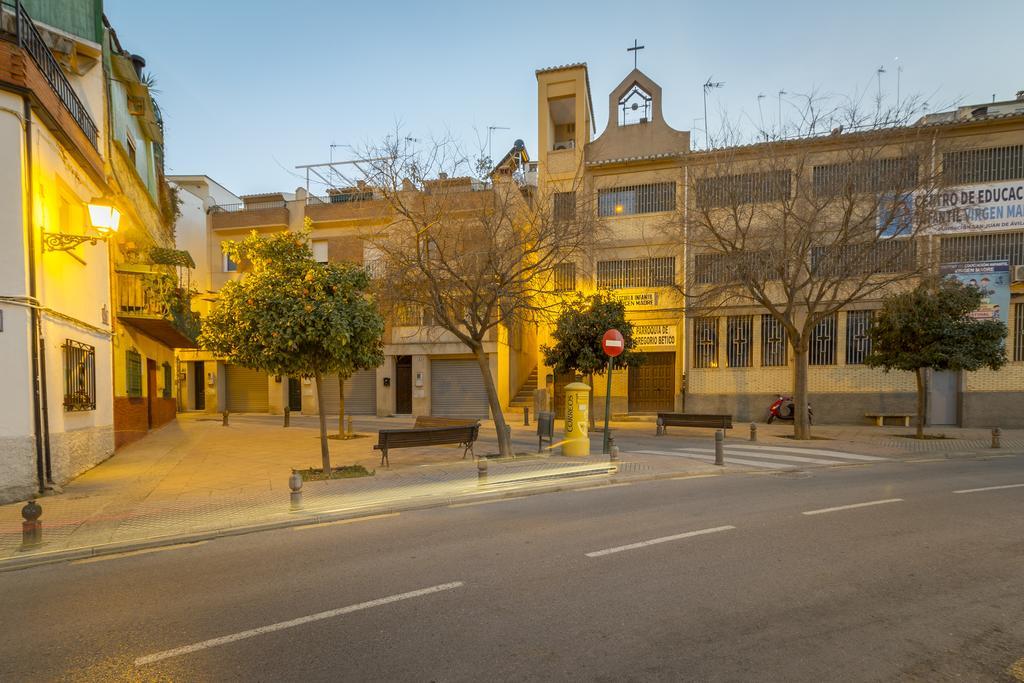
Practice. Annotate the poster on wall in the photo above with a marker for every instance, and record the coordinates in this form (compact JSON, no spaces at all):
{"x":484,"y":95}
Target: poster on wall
{"x":993,"y":278}
{"x":978,"y":208}
{"x":654,"y":335}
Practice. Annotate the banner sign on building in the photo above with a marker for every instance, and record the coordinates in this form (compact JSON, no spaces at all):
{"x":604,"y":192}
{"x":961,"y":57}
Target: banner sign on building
{"x":971,"y":208}
{"x":993,"y":278}
{"x":654,"y":335}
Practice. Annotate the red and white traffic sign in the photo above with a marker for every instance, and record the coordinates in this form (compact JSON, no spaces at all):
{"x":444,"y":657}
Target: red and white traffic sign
{"x":613,"y":343}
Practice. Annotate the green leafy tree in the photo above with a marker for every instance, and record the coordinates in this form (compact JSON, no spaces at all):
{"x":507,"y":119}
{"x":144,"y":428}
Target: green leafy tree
{"x":579,"y":328}
{"x":289,"y":315}
{"x":930,"y":327}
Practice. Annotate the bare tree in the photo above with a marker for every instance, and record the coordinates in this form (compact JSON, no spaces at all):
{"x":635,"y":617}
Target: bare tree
{"x":471,"y":255}
{"x":806,"y":225}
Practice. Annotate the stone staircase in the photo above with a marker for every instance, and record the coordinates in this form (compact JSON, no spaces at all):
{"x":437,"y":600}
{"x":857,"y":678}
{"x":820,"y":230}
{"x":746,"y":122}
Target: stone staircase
{"x":525,"y":396}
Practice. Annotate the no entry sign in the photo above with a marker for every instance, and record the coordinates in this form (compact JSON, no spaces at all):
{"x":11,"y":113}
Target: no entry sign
{"x":613,"y":343}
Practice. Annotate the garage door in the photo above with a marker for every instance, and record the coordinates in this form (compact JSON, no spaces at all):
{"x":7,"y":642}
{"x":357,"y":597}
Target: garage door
{"x":457,"y":389}
{"x":360,"y":393}
{"x":247,"y":390}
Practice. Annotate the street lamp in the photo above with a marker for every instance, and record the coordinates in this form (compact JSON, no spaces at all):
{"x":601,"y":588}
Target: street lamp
{"x":105,"y":220}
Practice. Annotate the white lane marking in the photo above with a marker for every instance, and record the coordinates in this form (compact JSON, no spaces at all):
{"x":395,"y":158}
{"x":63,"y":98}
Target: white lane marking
{"x":817,"y":451}
{"x":990,"y":488}
{"x":854,"y":505}
{"x":654,"y":541}
{"x":337,"y":522}
{"x":133,"y":553}
{"x":758,"y":454}
{"x":728,"y":460}
{"x":291,"y":623}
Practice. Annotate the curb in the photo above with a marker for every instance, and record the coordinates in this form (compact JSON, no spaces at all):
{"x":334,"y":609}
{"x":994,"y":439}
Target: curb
{"x":576,"y":482}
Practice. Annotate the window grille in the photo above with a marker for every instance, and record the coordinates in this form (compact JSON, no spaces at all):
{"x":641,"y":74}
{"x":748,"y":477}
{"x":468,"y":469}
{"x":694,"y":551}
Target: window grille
{"x":705,"y":342}
{"x":984,"y":247}
{"x":641,"y":272}
{"x":747,"y":188}
{"x":773,"y":342}
{"x":868,"y":176}
{"x":564,"y":206}
{"x":858,"y":339}
{"x":1018,"y":332}
{"x":133,"y":373}
{"x":718,"y":269}
{"x":634,"y":199}
{"x":984,"y":165}
{"x":849,"y":260}
{"x":565,"y":277}
{"x":168,"y":381}
{"x":823,"y":342}
{"x":739,"y":333}
{"x":79,"y":376}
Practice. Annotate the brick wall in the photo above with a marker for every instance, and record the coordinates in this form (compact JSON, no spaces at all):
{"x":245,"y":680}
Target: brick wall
{"x":131,"y":421}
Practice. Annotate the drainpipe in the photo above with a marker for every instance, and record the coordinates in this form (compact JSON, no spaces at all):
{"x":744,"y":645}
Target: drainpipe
{"x":38,"y":379}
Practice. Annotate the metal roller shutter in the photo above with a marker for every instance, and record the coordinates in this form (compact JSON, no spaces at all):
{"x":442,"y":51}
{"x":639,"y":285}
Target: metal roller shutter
{"x":457,"y":389}
{"x":247,"y":390}
{"x":360,"y":393}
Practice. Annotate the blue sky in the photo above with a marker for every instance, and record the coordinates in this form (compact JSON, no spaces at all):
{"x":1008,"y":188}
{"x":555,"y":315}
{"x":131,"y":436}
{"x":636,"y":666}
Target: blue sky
{"x":250,"y":90}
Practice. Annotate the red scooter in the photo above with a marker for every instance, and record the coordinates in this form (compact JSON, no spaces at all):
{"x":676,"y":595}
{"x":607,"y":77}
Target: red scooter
{"x":782,"y":409}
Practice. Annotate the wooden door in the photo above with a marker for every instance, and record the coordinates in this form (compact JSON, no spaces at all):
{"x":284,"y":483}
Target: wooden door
{"x":652,"y":385}
{"x":151,"y":396}
{"x":403,"y":385}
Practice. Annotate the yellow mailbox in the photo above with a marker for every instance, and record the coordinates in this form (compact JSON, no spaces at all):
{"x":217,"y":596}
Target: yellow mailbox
{"x":577,"y":420}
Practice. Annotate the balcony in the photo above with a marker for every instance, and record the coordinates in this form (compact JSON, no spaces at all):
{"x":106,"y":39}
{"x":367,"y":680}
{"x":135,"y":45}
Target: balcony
{"x":154,"y":303}
{"x":249,"y":214}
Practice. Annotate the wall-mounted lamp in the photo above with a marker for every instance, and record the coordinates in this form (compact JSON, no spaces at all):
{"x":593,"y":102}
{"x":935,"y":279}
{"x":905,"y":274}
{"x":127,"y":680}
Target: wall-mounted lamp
{"x":104,"y":218}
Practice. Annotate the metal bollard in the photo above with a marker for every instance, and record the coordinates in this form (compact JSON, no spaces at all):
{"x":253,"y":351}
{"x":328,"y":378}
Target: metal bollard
{"x":295,"y":484}
{"x":287,"y":416}
{"x":719,"y":447}
{"x":753,"y":432}
{"x":481,"y":471}
{"x":613,"y":450}
{"x":996,"y":435}
{"x":31,"y":528}
{"x":661,"y":428}
{"x":224,"y":415}
{"x":526,"y":416}
{"x":350,"y":430}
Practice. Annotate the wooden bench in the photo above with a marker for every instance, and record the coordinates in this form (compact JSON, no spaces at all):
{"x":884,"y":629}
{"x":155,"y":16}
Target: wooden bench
{"x":430,"y":436}
{"x":879,"y":418}
{"x":425,"y":422}
{"x":666,"y":420}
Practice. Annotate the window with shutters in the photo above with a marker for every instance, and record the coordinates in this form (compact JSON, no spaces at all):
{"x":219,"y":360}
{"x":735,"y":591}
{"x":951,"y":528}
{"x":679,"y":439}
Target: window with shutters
{"x":133,"y":373}
{"x":739,"y":333}
{"x":746,"y":188}
{"x":866,"y":176}
{"x":984,"y":165}
{"x":984,"y":247}
{"x":79,"y":376}
{"x":564,"y":206}
{"x":850,"y":260}
{"x":858,"y":340}
{"x":1018,"y":332}
{"x":640,"y":272}
{"x":565,"y":277}
{"x":634,"y":199}
{"x":168,"y":380}
{"x":705,"y":342}
{"x":823,"y":342}
{"x":773,"y":342}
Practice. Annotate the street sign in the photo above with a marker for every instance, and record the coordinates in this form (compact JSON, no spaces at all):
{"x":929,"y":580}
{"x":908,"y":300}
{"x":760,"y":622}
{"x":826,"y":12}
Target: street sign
{"x":613,"y":343}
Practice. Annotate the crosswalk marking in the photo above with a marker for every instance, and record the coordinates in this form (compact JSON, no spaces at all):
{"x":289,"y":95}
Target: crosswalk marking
{"x":769,"y":457}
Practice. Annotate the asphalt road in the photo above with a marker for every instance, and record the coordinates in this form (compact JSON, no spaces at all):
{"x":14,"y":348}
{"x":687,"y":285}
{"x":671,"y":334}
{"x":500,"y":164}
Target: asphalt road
{"x":612,"y":583}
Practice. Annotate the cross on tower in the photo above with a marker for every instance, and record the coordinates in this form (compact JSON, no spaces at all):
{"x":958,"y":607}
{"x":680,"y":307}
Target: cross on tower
{"x":635,"y":50}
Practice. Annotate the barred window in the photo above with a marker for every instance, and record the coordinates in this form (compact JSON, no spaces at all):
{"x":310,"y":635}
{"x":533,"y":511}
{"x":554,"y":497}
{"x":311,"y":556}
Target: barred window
{"x":773,"y":342}
{"x":718,"y":269}
{"x":848,"y":260}
{"x":858,"y":341}
{"x":79,"y":376}
{"x":565,"y":277}
{"x":640,"y":272}
{"x":133,"y":373}
{"x":634,"y":199}
{"x":705,"y":342}
{"x":747,"y":188}
{"x":1018,"y":332}
{"x":739,"y":335}
{"x":984,"y":247}
{"x":823,"y":342}
{"x":168,"y":381}
{"x":868,"y":176}
{"x":984,"y":165}
{"x":564,"y":206}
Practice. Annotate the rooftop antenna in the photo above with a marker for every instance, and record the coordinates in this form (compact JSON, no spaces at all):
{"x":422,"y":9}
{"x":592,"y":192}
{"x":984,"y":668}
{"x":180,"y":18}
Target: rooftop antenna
{"x":781,"y":93}
{"x":899,"y":73}
{"x":490,"y":130}
{"x":708,"y":85}
{"x":760,"y":113}
{"x":879,"y":72}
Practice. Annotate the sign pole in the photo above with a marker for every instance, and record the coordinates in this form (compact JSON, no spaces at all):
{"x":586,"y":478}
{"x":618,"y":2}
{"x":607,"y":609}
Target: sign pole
{"x":608,"y":404}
